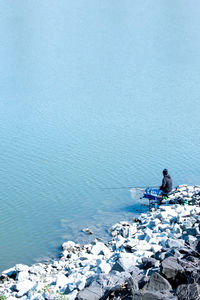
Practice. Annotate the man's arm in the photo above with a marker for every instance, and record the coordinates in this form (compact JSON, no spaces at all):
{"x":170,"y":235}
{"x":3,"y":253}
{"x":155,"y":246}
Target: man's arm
{"x":163,"y":184}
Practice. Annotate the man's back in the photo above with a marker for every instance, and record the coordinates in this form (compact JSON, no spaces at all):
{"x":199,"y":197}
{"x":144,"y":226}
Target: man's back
{"x":166,"y":184}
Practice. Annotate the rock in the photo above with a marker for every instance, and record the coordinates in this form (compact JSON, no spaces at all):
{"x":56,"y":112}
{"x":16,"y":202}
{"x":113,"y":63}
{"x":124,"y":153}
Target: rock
{"x":104,"y":267}
{"x":87,"y":230}
{"x":21,"y":268}
{"x":131,"y":244}
{"x":23,"y":287}
{"x":149,"y":262}
{"x":68,"y":246}
{"x":10,"y":272}
{"x":156,"y":248}
{"x":188,"y":291}
{"x":192,"y":231}
{"x":81,"y":284}
{"x":61,"y":281}
{"x":158,"y":283}
{"x":132,"y":230}
{"x":93,"y":292}
{"x":172,"y":243}
{"x":125,"y":232}
{"x":124,"y":263}
{"x":150,"y":295}
{"x":22,"y":275}
{"x":69,"y":288}
{"x":170,"y":267}
{"x":71,"y":296}
{"x":119,"y":241}
{"x":172,"y":252}
{"x":100,"y":248}
{"x":188,"y":238}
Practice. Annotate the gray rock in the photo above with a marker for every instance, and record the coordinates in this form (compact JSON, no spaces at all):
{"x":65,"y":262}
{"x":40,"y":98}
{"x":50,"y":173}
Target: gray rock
{"x":109,"y":283}
{"x":188,"y":291}
{"x":93,"y":292}
{"x":158,"y":283}
{"x":149,"y":262}
{"x":150,"y":295}
{"x":170,"y":267}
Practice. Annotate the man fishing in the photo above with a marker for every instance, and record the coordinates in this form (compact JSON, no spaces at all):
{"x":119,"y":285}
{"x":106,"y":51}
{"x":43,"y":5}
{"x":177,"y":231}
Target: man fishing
{"x":156,"y":195}
{"x":166,"y":186}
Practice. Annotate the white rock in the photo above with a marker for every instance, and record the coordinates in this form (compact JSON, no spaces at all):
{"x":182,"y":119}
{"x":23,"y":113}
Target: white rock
{"x":104,"y":267}
{"x":61,"y":281}
{"x":21,"y":267}
{"x":9,"y":271}
{"x":72,"y":296}
{"x":68,"y":245}
{"x":22,"y":275}
{"x":119,"y":241}
{"x":143,"y":245}
{"x":125,"y":231}
{"x":81,"y":284}
{"x":23,"y":287}
{"x":132,"y":229}
{"x":156,"y":248}
{"x":100,"y":248}
{"x":141,"y":253}
{"x":127,"y":260}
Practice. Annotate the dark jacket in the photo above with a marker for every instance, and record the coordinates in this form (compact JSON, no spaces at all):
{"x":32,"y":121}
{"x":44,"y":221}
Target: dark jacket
{"x":166,"y":186}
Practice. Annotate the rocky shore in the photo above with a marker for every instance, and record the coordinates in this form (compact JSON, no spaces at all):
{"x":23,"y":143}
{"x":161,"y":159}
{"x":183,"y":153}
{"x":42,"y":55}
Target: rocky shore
{"x":153,"y":257}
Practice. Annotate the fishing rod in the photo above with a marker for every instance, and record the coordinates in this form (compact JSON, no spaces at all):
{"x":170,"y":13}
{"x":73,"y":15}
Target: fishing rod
{"x":128,"y":187}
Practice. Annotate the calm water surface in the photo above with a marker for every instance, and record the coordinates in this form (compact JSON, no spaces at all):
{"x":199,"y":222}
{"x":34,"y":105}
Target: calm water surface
{"x":93,"y":94}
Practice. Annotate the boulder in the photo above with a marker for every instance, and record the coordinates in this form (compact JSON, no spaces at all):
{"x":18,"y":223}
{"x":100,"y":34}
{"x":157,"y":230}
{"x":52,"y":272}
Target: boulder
{"x":22,"y":275}
{"x":151,"y":295}
{"x":61,"y":281}
{"x":170,"y":267}
{"x":125,"y":262}
{"x":104,"y":267}
{"x":175,"y":243}
{"x":101,"y":248}
{"x":68,"y":246}
{"x":149,"y":262}
{"x":93,"y":292}
{"x":158,"y":283}
{"x":192,"y":231}
{"x":23,"y":287}
{"x":188,"y":291}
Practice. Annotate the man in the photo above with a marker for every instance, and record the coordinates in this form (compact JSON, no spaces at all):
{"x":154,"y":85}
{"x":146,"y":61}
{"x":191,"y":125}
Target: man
{"x":166,"y":186}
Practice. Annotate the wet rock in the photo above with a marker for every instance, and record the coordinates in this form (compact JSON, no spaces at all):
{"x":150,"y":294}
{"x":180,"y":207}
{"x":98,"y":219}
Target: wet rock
{"x":87,"y":230}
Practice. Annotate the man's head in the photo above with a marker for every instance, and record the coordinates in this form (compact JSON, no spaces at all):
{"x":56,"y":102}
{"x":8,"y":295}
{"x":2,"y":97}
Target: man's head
{"x":165,"y":172}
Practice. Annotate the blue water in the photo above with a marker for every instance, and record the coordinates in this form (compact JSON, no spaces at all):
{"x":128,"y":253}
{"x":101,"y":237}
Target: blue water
{"x":93,"y":94}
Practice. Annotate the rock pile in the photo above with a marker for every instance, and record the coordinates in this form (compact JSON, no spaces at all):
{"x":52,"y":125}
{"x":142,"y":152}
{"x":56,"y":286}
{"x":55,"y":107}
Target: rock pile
{"x":153,"y":257}
{"x":185,"y":194}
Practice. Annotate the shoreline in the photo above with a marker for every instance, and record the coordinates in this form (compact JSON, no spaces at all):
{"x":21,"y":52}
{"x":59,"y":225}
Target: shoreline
{"x":161,"y":246}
